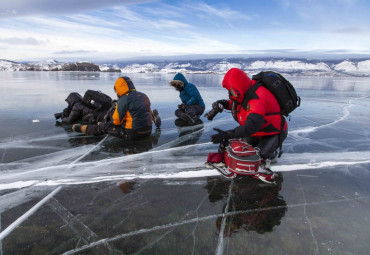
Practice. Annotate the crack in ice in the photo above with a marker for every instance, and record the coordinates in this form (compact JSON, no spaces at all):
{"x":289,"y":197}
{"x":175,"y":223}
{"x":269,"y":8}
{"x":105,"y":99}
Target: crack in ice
{"x":88,"y":152}
{"x":32,"y":210}
{"x":220,"y":243}
{"x":209,"y":217}
{"x":196,"y":213}
{"x":26,"y":215}
{"x":313,"y":129}
{"x":317,"y":251}
{"x":79,"y":228}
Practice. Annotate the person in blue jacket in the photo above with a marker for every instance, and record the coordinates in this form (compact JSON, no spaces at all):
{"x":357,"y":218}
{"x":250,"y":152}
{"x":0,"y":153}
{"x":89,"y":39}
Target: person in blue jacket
{"x":192,"y":106}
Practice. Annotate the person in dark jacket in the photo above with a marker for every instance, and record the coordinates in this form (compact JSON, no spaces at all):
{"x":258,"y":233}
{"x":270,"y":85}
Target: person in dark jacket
{"x":132,"y":117}
{"x":78,"y":111}
{"x":192,"y":103}
{"x":260,"y":119}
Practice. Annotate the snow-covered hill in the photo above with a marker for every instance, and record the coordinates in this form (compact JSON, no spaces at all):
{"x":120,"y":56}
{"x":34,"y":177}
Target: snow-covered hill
{"x":48,"y":65}
{"x":361,"y":67}
{"x":288,"y":66}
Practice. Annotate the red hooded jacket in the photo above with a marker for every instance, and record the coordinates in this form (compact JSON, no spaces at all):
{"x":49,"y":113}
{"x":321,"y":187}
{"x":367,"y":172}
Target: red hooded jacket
{"x":254,"y":118}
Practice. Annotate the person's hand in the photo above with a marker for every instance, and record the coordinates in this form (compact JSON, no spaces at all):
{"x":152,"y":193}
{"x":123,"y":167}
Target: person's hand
{"x":58,"y":115}
{"x":181,"y":106}
{"x":223,"y":102}
{"x":220,"y":137}
{"x":88,"y":118}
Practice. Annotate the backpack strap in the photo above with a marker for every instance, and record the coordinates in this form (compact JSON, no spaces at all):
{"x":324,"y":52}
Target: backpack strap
{"x":281,"y":136}
{"x":249,"y":94}
{"x":273,"y":113}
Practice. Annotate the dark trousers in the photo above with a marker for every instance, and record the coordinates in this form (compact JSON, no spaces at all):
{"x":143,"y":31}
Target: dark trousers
{"x":118,"y":131}
{"x":192,"y":110}
{"x":268,"y":145}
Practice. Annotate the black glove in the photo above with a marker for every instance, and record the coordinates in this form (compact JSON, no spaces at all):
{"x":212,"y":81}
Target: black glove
{"x":220,"y":137}
{"x":58,"y":115}
{"x":89,"y":118}
{"x":66,"y":112}
{"x":181,"y":106}
{"x":224,"y":103}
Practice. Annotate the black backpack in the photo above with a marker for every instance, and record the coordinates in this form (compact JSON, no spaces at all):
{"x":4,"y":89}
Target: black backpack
{"x":283,"y":91}
{"x":98,"y":100}
{"x":281,"y":88}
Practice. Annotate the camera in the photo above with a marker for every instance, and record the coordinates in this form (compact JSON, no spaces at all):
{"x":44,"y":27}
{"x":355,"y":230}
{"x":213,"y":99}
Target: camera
{"x":216,"y":108}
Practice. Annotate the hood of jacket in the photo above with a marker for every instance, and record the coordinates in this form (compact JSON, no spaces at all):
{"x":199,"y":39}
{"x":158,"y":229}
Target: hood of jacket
{"x":180,"y":77}
{"x":73,"y":98}
{"x":123,"y":85}
{"x":237,"y":80}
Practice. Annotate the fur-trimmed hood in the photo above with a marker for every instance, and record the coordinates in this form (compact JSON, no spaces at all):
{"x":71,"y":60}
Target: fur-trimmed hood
{"x":180,"y":77}
{"x":179,"y":81}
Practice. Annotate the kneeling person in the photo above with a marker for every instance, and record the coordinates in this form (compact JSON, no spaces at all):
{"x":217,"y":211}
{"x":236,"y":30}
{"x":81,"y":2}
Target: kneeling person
{"x":132,"y":117}
{"x":192,"y":106}
{"x":260,"y":121}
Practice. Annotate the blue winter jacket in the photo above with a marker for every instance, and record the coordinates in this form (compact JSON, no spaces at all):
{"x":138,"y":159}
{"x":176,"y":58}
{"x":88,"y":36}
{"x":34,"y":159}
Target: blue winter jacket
{"x":190,"y":94}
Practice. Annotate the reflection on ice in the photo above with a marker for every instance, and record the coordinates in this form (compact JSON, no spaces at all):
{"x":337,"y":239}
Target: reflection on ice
{"x":251,"y":208}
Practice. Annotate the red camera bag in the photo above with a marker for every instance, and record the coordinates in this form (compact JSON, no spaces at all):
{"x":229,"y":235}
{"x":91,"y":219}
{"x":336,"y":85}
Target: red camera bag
{"x":241,"y":158}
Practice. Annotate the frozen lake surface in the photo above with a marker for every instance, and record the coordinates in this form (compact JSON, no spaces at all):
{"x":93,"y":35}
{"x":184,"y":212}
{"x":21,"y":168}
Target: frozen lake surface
{"x":66,"y":193}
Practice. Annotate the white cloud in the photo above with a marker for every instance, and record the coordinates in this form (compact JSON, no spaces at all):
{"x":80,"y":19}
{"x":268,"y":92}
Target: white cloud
{"x":21,"y":41}
{"x":170,"y":24}
{"x":224,"y":13}
{"x":350,"y":30}
{"x":165,"y":29}
{"x":74,"y":52}
{"x":17,"y":8}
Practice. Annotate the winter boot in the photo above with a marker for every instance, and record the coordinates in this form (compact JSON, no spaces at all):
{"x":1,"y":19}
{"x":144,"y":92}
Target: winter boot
{"x":156,"y":119}
{"x":265,"y":174}
{"x":188,"y":119}
{"x":79,"y":128}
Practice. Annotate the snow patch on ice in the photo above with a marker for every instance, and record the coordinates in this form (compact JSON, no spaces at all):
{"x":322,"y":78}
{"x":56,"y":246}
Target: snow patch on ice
{"x":17,"y":185}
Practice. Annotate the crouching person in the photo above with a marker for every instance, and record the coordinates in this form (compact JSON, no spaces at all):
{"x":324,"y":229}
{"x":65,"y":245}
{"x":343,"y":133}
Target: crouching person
{"x":76,"y":110}
{"x":132,"y":117}
{"x":192,"y":106}
{"x":260,"y":121}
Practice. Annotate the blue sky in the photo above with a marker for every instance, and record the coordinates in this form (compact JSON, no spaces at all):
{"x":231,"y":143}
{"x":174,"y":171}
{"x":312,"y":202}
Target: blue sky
{"x":122,"y":29}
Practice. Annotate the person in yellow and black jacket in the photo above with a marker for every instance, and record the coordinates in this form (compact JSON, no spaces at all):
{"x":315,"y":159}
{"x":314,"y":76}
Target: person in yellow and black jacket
{"x":132,"y":117}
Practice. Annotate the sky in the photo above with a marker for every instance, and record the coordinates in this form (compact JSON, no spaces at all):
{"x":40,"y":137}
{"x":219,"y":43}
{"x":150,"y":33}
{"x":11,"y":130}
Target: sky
{"x":98,"y":30}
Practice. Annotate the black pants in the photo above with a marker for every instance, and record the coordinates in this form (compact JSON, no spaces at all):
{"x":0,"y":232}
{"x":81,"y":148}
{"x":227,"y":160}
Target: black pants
{"x":268,"y":145}
{"x":118,"y":131}
{"x":192,"y":110}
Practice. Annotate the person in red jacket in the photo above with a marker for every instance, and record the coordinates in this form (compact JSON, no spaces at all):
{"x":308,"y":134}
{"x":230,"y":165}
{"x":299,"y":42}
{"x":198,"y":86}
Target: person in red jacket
{"x":259,"y":118}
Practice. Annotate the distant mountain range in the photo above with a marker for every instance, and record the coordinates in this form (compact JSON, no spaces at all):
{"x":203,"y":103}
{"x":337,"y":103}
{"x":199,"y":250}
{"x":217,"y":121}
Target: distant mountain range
{"x":345,"y":67}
